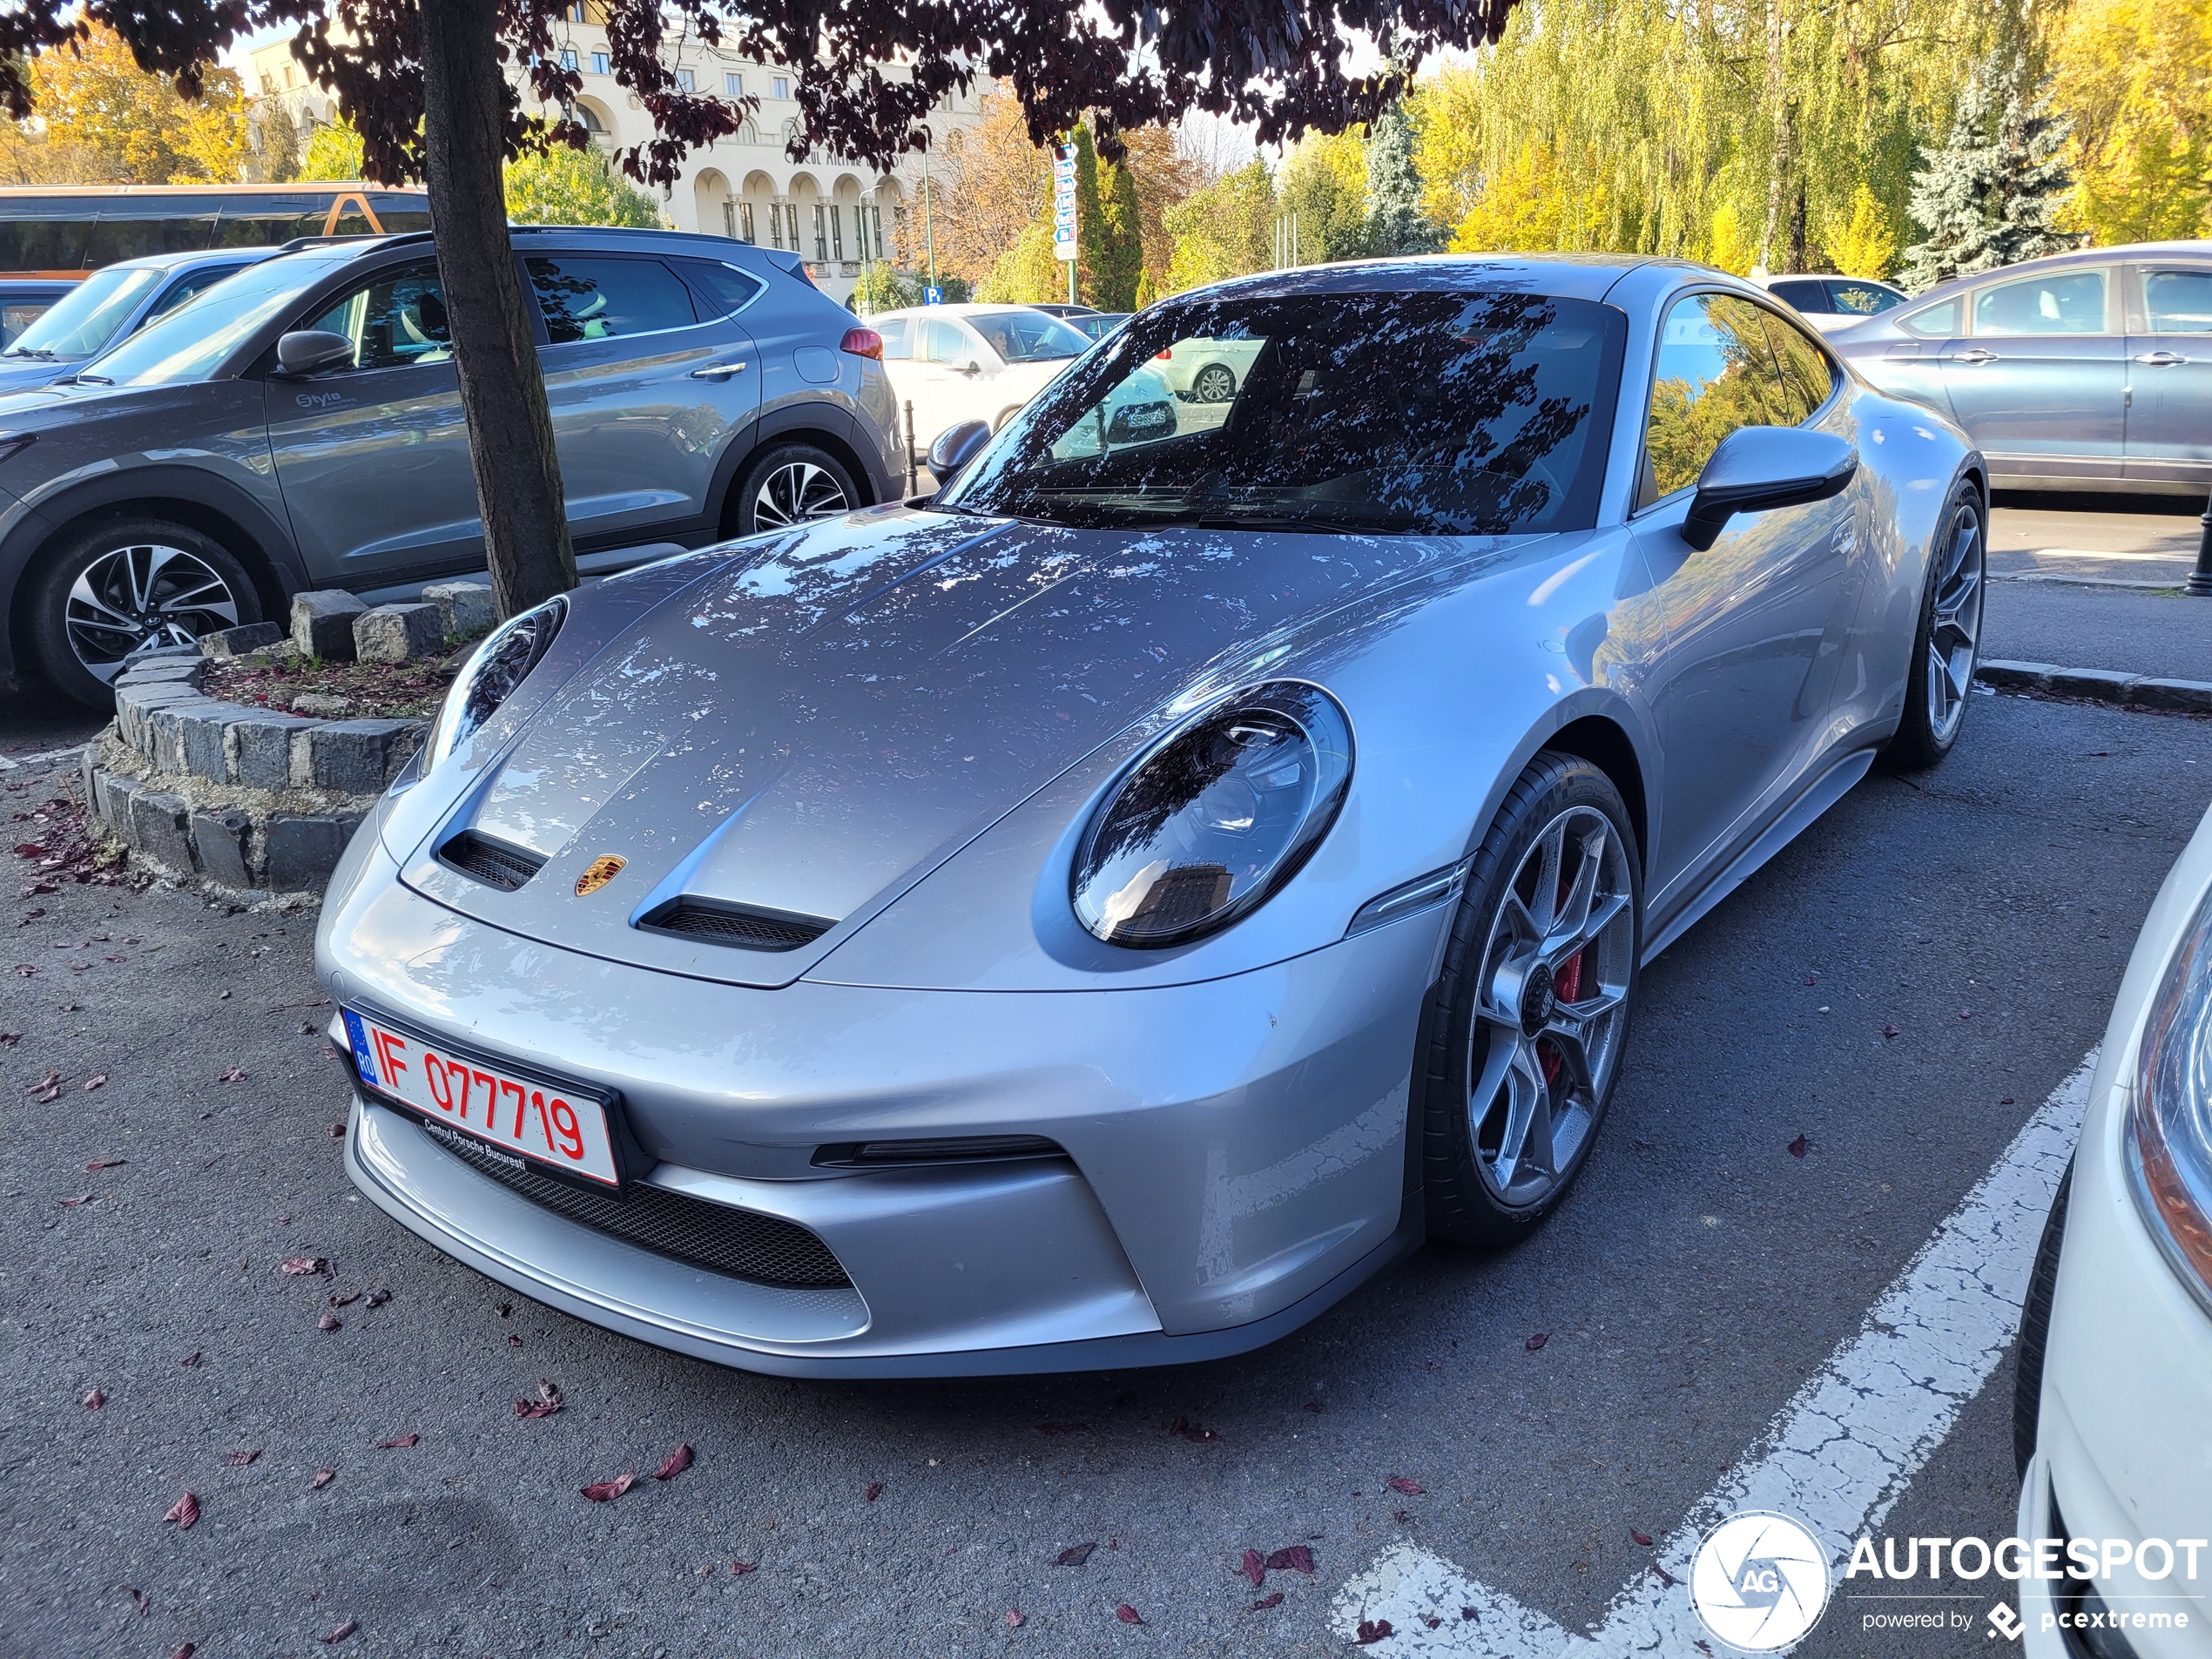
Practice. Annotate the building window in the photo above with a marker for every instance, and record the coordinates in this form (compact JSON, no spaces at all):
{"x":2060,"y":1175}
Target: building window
{"x":684,"y":81}
{"x":568,"y":58}
{"x":744,"y":221}
{"x":822,"y":222}
{"x":734,"y":85}
{"x":598,"y":62}
{"x":778,"y":87}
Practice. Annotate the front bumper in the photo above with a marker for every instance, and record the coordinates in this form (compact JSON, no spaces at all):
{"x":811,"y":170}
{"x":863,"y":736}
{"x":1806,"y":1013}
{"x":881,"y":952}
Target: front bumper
{"x":2124,"y":1431}
{"x":1237,"y":1150}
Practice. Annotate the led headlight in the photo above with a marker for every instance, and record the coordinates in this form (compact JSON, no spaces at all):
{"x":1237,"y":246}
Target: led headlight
{"x":2169,"y":1126}
{"x":1214,"y":818}
{"x":490,"y":675}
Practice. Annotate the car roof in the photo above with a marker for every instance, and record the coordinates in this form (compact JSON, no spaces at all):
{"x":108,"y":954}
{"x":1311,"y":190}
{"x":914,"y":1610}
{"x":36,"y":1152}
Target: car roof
{"x":1569,"y":276}
{"x":2124,"y":252}
{"x":175,"y":261}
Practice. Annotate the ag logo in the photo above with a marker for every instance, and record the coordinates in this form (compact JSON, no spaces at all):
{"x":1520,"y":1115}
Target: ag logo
{"x":603,"y":870}
{"x":1759,"y":1581}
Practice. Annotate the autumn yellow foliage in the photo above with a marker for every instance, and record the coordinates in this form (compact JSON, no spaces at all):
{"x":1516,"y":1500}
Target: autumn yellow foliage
{"x":102,"y":119}
{"x":2136,"y":76}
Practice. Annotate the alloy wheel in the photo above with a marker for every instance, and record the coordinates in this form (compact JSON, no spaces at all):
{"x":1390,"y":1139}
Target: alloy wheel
{"x":138,"y":598}
{"x":1956,"y":628}
{"x":796,"y":492}
{"x":1547,"y":1030}
{"x":1214,"y":385}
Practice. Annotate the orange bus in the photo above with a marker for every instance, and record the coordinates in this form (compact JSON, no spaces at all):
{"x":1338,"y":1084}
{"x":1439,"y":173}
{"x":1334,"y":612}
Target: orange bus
{"x":65,"y":230}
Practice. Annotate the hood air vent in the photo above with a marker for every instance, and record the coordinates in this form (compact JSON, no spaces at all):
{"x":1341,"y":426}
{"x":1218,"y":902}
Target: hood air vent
{"x":494,"y":863}
{"x":741,"y":925}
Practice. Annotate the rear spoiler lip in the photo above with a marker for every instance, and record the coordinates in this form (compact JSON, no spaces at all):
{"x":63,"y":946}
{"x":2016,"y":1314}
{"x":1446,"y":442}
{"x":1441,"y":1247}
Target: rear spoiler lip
{"x":789,"y":262}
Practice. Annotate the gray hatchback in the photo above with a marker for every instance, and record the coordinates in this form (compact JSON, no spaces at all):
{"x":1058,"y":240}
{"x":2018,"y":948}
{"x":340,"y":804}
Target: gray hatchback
{"x":183,"y":481}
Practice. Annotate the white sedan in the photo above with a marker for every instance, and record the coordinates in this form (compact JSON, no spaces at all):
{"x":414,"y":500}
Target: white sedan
{"x":2113,"y":1415}
{"x":976,"y":362}
{"x":1830,"y":302}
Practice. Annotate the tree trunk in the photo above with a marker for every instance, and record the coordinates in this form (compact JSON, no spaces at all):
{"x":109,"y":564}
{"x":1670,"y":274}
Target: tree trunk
{"x":503,"y":394}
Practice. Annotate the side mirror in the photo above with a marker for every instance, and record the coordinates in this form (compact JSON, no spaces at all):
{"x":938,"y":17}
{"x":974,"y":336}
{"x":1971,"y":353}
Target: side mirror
{"x":1759,"y":467}
{"x":955,"y":449}
{"x":973,"y":367}
{"x":309,"y":351}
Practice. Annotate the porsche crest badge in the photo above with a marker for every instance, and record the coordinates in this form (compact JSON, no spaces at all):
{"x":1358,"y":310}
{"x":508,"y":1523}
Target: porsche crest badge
{"x":603,"y":870}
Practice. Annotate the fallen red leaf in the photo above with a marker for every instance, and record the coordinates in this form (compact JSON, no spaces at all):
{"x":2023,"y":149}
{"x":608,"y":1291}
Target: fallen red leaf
{"x":191,"y":1359}
{"x":30,"y":850}
{"x":94,"y":1400}
{"x":186,"y":1651}
{"x":1535,"y":1344}
{"x":608,"y":1490}
{"x":1797,"y":1147}
{"x":342,"y":1632}
{"x":300,"y":1266}
{"x":1665,"y":1577}
{"x":97,"y":1164}
{"x":1127,"y":1615}
{"x":329,"y":1321}
{"x":2006,"y":1101}
{"x":346,"y":1300}
{"x":1966,"y":1013}
{"x":1255,"y":1567}
{"x":1889,"y":1030}
{"x":323,"y":1478}
{"x":399,"y":1442}
{"x":184,"y":1512}
{"x":244,"y":1458}
{"x":1076,"y":1555}
{"x":1643,"y":1538}
{"x":1296,"y":1559}
{"x":71,"y":1203}
{"x":874,"y":1491}
{"x":1399,"y":1483}
{"x":514,"y":1341}
{"x":1013,"y":1619}
{"x":337,"y":1131}
{"x":1373,"y":1630}
{"x":680,"y":1460}
{"x":549,"y":1400}
{"x":235,"y":1075}
{"x":1266,"y":1601}
{"x":9,"y":1038}
{"x":378,"y":1297}
{"x":739,"y":1569}
{"x":99,"y":1080}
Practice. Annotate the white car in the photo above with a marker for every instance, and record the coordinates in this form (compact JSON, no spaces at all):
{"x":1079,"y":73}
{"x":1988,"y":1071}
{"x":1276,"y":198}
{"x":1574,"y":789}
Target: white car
{"x":2113,"y":1414}
{"x":1205,"y":370}
{"x":975,"y":362}
{"x":1829,"y":302}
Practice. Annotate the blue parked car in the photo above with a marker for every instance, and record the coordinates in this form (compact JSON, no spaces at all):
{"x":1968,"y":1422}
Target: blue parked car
{"x":112,"y":305}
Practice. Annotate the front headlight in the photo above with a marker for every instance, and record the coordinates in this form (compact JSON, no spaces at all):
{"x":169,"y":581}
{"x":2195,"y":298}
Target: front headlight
{"x":1214,"y":818}
{"x":493,"y":671}
{"x":2170,"y":1139}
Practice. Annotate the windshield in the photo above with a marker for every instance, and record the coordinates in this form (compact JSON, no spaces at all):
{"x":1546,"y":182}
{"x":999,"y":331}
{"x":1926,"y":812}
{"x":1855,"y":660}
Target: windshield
{"x":1027,"y":336}
{"x":1404,"y":413}
{"x":189,"y":342}
{"x":86,"y":318}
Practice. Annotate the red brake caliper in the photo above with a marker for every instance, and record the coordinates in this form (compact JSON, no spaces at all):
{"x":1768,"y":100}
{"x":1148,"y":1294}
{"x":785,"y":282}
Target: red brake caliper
{"x":1567,"y":986}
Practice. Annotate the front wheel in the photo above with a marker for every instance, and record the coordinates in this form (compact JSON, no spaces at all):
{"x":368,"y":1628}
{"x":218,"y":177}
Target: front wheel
{"x":1948,"y":639}
{"x":1531,"y":1013}
{"x":1215,"y":383}
{"x":789,"y":484}
{"x":125,"y":586}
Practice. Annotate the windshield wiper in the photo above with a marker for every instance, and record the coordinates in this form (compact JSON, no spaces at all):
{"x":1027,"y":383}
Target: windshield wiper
{"x":29,"y":351}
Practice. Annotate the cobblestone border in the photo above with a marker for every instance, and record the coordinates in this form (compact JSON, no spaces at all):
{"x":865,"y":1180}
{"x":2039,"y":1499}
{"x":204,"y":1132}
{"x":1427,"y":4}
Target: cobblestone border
{"x":248,"y":799}
{"x":2100,"y":685}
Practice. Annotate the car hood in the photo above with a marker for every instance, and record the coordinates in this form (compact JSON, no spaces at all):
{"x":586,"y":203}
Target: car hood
{"x":812,"y":726}
{"x":18,"y":374}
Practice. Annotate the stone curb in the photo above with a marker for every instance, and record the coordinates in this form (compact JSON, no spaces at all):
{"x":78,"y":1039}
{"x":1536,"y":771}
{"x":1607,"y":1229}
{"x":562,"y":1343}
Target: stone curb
{"x":2100,"y":685}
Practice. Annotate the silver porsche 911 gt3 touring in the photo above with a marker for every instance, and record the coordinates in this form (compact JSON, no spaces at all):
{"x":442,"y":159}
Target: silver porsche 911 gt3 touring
{"x":1101,"y":913}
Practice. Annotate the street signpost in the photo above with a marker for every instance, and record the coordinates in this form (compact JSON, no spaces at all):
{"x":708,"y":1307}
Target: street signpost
{"x":933,"y":295}
{"x":1063,"y":212}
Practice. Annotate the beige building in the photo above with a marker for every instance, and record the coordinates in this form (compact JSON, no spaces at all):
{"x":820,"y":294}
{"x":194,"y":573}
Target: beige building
{"x":836,"y":211}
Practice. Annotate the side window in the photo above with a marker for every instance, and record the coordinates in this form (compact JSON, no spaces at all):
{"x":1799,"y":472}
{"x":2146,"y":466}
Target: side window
{"x":1716,"y":373}
{"x":1933,"y":322}
{"x":2059,"y":302}
{"x":592,"y":298}
{"x":185,"y":288}
{"x":721,"y":288}
{"x":942,"y":342}
{"x":1860,"y":298}
{"x":2178,"y":302}
{"x":897,"y":342}
{"x":1807,"y":377}
{"x":396,"y":320}
{"x":1807,"y":293}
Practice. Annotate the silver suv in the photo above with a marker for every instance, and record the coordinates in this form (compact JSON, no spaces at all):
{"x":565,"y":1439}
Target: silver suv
{"x":185,"y":482}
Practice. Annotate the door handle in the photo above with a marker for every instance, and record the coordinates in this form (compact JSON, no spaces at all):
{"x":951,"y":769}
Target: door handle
{"x":718,"y":371}
{"x":1979,"y":354}
{"x":2162,"y":360}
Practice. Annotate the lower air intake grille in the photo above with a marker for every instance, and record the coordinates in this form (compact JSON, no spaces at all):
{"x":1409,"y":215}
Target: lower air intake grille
{"x":494,"y":863}
{"x":765,"y":1250}
{"x":720,"y":924}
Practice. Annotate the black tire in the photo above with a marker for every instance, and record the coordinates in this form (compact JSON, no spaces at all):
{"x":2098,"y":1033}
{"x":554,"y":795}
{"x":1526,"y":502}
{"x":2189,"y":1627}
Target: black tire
{"x":2035,"y":1329}
{"x":1927,"y":733}
{"x":1215,"y":383}
{"x":789,"y":483}
{"x":152,"y":582}
{"x":1469,"y":1185}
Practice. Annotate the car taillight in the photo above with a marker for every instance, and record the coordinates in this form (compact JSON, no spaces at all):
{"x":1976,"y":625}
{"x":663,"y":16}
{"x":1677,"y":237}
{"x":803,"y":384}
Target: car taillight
{"x":862,"y":343}
{"x":1163,"y":356}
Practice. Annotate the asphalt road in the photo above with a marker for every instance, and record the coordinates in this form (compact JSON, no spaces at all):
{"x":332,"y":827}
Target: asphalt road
{"x":2129,"y":538}
{"x":1697,"y":1277}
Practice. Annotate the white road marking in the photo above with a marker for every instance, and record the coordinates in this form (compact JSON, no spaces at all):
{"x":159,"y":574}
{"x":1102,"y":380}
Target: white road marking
{"x":1836,"y":1458}
{"x":7,"y":764}
{"x":2175,"y":557}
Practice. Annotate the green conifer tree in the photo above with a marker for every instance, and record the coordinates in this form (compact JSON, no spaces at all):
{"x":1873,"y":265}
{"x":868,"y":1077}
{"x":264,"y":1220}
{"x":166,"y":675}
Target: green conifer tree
{"x":1988,"y":196}
{"x":1117,"y":263}
{"x":1395,"y":222}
